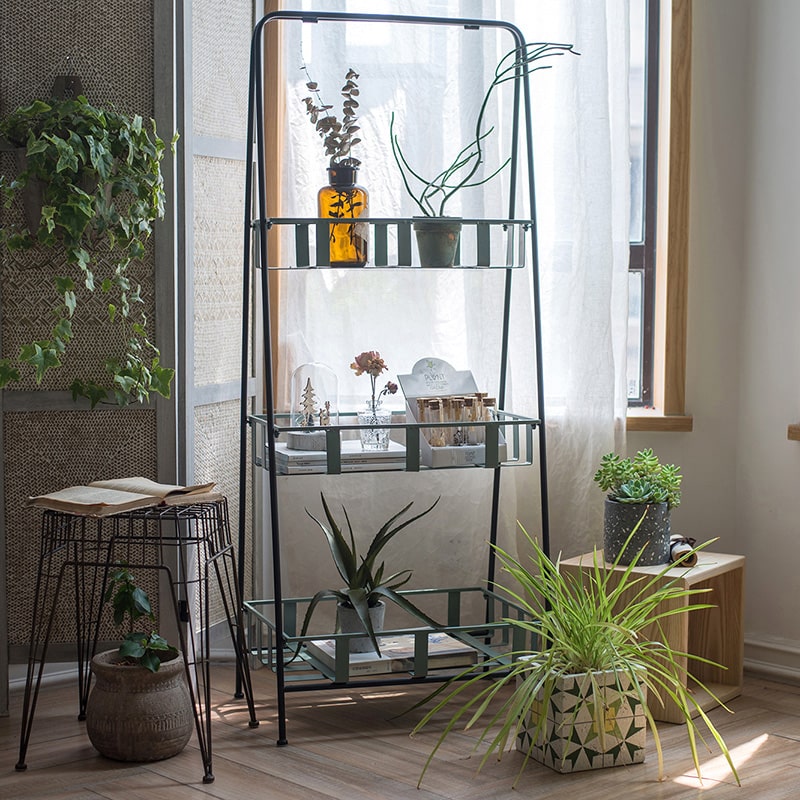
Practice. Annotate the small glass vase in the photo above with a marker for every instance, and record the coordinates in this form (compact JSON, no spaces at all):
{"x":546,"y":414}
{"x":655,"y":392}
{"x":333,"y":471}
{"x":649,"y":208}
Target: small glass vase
{"x":342,"y":199}
{"x":374,"y":438}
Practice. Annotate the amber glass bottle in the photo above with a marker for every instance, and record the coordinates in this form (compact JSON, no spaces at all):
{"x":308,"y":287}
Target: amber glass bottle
{"x":344,"y":200}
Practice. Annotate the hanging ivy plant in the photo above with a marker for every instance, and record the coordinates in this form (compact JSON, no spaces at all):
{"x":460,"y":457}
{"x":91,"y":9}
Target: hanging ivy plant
{"x":98,"y":173}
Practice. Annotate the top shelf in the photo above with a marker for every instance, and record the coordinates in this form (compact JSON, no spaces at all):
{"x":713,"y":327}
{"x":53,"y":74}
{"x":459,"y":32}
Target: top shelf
{"x":484,"y":244}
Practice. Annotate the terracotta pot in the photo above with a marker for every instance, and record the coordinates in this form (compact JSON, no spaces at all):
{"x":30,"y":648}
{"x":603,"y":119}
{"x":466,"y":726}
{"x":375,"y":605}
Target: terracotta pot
{"x":137,"y":715}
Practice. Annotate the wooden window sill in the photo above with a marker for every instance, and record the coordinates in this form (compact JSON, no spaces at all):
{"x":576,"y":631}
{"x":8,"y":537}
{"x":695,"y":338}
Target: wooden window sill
{"x":646,"y":419}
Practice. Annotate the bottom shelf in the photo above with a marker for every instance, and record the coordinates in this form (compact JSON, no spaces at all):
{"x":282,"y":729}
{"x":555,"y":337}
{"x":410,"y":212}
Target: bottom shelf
{"x":419,"y":653}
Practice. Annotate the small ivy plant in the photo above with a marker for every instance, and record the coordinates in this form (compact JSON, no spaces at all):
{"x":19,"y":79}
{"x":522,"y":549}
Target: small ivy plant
{"x":101,"y":185}
{"x":131,"y":602}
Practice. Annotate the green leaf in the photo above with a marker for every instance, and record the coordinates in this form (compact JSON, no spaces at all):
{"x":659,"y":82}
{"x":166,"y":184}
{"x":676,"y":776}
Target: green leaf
{"x":8,"y":373}
{"x":91,"y":391}
{"x":161,"y":379}
{"x":41,"y":355}
{"x":63,"y":330}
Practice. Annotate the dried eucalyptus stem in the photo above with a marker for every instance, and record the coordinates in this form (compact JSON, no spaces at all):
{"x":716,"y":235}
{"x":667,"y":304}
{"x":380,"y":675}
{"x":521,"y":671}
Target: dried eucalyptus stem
{"x":337,"y":137}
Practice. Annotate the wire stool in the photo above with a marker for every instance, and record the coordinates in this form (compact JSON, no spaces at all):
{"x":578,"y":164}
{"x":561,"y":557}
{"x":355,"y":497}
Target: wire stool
{"x":82,"y":550}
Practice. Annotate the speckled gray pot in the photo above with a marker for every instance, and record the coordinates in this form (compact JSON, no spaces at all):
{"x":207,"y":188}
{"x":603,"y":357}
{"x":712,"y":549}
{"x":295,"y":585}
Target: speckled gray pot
{"x":653,"y":533}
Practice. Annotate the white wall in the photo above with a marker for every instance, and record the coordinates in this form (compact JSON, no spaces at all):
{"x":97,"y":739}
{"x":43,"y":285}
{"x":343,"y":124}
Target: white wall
{"x":742,"y":475}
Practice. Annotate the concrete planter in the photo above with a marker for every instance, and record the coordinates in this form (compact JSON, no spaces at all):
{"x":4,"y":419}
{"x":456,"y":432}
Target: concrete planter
{"x":437,"y":240}
{"x":137,"y":715}
{"x":348,"y":621}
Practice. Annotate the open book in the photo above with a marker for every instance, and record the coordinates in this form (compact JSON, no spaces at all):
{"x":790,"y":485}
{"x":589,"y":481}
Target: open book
{"x":102,"y":498}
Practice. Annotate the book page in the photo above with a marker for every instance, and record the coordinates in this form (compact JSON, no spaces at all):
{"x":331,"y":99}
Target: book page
{"x":92,"y":500}
{"x":146,"y":486}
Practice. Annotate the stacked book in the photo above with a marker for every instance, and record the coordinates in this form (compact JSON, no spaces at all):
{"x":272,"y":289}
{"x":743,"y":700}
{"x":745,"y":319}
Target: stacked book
{"x":397,"y":654}
{"x":354,"y":459}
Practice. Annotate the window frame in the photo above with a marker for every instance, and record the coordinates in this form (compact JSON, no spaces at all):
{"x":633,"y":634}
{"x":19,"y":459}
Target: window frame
{"x":672,"y":239}
{"x":643,"y":252}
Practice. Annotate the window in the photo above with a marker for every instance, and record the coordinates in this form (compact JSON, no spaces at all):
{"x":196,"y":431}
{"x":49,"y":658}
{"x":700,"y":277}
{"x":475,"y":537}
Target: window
{"x":668,"y":412}
{"x":643,"y":83}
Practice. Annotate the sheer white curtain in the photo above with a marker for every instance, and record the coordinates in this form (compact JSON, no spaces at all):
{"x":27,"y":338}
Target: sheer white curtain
{"x":433,"y":79}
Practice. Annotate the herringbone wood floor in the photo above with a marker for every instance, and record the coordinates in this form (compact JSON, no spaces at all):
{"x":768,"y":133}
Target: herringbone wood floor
{"x":352,"y":745}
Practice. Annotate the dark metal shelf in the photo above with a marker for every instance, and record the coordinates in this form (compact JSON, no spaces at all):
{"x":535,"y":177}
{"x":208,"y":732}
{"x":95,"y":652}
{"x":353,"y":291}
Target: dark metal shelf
{"x":493,"y":638}
{"x":484,"y":243}
{"x":508,"y":441}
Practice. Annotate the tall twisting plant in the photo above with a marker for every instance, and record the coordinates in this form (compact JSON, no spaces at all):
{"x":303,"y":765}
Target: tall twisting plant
{"x":432,"y":194}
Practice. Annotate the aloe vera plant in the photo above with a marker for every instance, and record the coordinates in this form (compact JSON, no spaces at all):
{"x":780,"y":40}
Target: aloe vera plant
{"x":366,"y":581}
{"x":601,"y":623}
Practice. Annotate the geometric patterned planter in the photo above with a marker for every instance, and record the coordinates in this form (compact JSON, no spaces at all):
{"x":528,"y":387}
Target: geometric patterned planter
{"x":570,"y":740}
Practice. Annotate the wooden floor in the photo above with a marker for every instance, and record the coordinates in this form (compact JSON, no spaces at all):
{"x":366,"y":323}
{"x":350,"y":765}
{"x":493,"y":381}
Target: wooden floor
{"x":352,"y":745}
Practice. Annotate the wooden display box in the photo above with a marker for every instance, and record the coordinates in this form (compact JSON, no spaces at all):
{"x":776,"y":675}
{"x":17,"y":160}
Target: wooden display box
{"x":714,"y":633}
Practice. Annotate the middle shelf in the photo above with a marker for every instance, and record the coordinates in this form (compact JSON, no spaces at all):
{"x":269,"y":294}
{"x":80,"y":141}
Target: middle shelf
{"x":506,"y":441}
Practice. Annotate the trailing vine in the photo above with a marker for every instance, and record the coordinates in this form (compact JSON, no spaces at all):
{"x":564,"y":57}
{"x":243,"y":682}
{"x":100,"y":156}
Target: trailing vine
{"x":101,"y":187}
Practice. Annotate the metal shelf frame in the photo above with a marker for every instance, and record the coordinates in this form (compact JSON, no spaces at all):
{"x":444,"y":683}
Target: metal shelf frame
{"x":493,"y":639}
{"x":474,"y":250}
{"x":257,"y":226}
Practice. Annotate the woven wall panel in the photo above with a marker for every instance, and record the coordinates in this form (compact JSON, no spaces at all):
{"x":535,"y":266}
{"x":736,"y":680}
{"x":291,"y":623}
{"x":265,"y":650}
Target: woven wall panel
{"x":109,"y":44}
{"x":217,"y":459}
{"x":220,"y":65}
{"x":218,"y":215}
{"x":45,"y":451}
{"x":28,"y":305}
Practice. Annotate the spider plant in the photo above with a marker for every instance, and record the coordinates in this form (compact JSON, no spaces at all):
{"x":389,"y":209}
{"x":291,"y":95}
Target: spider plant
{"x":608,"y":620}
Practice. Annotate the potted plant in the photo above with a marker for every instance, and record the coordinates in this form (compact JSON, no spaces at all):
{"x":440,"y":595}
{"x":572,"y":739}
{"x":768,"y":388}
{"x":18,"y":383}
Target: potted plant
{"x":342,"y":198}
{"x":438,"y":235}
{"x":91,"y":182}
{"x":639,"y":488}
{"x":360,"y":601}
{"x":580,"y":697}
{"x":140,"y":708}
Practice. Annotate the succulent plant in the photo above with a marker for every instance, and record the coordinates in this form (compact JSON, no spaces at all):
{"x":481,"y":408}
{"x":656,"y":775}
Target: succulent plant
{"x":641,"y":479}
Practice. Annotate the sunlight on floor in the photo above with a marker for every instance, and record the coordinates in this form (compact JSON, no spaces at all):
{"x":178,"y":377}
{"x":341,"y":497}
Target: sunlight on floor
{"x":717,"y":770}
